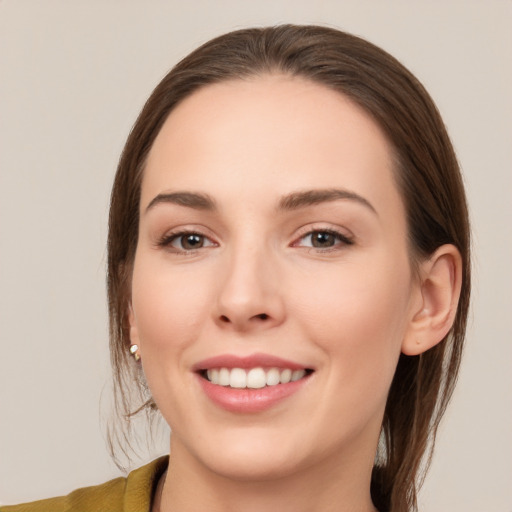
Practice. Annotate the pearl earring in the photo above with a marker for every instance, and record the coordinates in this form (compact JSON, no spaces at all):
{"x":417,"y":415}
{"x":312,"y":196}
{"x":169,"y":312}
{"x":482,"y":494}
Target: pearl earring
{"x":134,"y":351}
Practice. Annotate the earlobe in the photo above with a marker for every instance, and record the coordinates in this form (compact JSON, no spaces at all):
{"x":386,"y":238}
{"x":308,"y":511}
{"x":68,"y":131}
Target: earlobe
{"x":440,"y":283}
{"x":134,"y":334}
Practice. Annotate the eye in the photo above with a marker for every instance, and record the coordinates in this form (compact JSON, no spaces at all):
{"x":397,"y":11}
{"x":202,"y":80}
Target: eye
{"x":186,"y":241}
{"x":323,"y":239}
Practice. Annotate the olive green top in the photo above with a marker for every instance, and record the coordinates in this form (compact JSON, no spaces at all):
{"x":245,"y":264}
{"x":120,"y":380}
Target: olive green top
{"x":131,"y":494}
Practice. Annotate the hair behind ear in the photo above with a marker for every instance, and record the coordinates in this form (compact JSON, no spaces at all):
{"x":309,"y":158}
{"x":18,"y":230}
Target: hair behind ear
{"x":424,"y":378}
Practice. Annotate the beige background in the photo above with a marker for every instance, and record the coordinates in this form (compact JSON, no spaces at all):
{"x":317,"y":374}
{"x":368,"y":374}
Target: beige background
{"x":73,"y":76}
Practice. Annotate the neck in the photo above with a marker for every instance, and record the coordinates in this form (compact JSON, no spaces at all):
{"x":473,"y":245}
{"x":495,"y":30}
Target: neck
{"x":329,"y":486}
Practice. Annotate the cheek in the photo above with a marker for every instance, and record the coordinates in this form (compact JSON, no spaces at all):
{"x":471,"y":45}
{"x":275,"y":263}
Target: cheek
{"x":169,"y":307}
{"x":358,"y":317}
{"x":356,"y":299}
{"x":170,"y":314}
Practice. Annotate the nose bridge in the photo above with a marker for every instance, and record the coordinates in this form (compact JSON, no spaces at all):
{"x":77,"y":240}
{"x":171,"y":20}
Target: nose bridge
{"x":248,"y":291}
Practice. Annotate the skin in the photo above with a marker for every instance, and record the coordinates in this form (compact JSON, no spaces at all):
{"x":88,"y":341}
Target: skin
{"x":258,"y":286}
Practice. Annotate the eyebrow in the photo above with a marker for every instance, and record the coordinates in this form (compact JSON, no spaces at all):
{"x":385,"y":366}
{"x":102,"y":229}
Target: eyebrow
{"x":305,"y":198}
{"x":293,"y":201}
{"x":188,"y":199}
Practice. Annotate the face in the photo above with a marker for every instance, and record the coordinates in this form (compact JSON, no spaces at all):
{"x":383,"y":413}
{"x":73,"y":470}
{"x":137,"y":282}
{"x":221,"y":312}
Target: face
{"x":271,"y":288}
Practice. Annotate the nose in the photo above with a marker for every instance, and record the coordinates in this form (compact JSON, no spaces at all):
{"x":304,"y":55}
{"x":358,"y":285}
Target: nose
{"x":250,"y":295}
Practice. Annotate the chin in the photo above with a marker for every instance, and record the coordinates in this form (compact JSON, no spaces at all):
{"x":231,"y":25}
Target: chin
{"x":247,"y":454}
{"x":255,"y":467}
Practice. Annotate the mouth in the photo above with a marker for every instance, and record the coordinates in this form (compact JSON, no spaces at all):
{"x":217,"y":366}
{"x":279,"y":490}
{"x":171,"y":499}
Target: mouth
{"x":250,"y":384}
{"x":253,"y":378}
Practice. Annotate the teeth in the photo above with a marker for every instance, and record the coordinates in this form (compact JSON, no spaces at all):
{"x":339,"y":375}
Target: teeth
{"x":286,"y":376}
{"x":238,"y":378}
{"x":224,"y":377}
{"x":255,"y":378}
{"x":213,"y":375}
{"x":273,"y":377}
{"x":297,"y":374}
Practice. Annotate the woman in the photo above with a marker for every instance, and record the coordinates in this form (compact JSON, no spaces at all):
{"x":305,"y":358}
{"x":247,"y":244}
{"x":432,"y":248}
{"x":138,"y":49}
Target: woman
{"x":288,"y":278}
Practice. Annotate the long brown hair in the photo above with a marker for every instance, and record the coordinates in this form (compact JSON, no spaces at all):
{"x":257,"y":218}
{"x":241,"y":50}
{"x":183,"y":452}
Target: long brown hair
{"x":427,"y":175}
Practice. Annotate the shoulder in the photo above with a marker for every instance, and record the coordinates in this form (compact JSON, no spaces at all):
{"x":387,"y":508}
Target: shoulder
{"x":107,"y":496}
{"x":131,"y":494}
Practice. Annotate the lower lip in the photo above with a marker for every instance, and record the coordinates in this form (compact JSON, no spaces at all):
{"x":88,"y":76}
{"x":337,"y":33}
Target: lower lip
{"x":249,"y":400}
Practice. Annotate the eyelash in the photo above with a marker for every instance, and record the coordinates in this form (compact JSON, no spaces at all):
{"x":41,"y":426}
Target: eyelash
{"x":167,"y":240}
{"x":343,"y":240}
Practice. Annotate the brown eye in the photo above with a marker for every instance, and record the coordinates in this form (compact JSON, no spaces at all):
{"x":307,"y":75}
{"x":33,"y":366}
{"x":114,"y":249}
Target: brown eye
{"x":186,"y":241}
{"x":190,"y":241}
{"x":322,"y":239}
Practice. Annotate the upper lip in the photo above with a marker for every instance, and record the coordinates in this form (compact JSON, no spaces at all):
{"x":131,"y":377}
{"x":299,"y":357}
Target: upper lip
{"x":245,"y":362}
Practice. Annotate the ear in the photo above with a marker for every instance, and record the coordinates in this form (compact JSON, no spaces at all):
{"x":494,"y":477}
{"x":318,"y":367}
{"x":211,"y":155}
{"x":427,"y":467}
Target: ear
{"x":440,"y":283}
{"x":134,"y":333}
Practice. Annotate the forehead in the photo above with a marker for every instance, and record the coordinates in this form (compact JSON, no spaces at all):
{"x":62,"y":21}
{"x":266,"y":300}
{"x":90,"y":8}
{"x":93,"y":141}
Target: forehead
{"x":271,"y":134}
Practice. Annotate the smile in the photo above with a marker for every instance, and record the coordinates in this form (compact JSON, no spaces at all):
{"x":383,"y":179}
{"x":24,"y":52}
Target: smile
{"x":250,"y":384}
{"x":253,"y":378}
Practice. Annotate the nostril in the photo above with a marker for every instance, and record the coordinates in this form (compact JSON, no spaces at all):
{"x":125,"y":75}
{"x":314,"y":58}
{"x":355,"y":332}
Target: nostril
{"x":261,"y":316}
